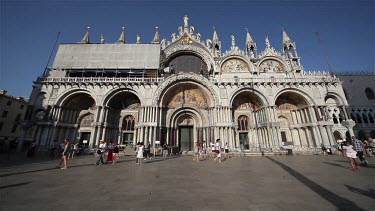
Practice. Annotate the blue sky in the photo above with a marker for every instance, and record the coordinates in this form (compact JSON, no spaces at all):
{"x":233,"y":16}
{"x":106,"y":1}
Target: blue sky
{"x":29,"y":29}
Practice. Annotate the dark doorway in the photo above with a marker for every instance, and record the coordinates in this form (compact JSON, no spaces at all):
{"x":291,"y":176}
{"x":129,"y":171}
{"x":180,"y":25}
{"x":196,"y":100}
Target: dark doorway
{"x":283,"y":137}
{"x":244,"y":139}
{"x":85,"y":138}
{"x":127,"y":139}
{"x":186,"y":138}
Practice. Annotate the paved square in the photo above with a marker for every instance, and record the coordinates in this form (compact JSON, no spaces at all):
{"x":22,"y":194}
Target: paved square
{"x":178,"y":183}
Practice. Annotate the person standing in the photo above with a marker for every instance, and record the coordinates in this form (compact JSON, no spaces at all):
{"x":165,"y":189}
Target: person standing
{"x":65,"y":153}
{"x":165,"y":150}
{"x":351,"y":154}
{"x":196,"y":152}
{"x":340,"y":146}
{"x":140,"y":153}
{"x":75,"y":149}
{"x":226,"y":150}
{"x":100,"y":153}
{"x":116,"y":152}
{"x":358,"y":146}
{"x":110,"y":157}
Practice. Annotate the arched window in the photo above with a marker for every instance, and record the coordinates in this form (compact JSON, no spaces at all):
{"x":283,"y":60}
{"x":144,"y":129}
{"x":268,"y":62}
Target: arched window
{"x":128,"y":123}
{"x":359,"y":120}
{"x":369,"y":94}
{"x":243,"y":123}
{"x":371,"y":119}
{"x":364,"y":117}
{"x":335,"y":119}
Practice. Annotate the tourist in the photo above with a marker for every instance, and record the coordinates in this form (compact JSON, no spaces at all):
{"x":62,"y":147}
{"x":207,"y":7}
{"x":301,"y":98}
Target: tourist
{"x":358,"y":146}
{"x":324,"y":149}
{"x":116,"y":152}
{"x":213,"y":150}
{"x":140,"y":153}
{"x":340,"y":146}
{"x":100,"y":152}
{"x":65,"y":153}
{"x":203,"y":150}
{"x":31,"y":150}
{"x":371,"y":146}
{"x":165,"y":150}
{"x":196,"y":152}
{"x":74,"y":149}
{"x":110,"y":157}
{"x":351,"y":154}
{"x":218,"y":157}
{"x":226,"y":150}
{"x":136,"y":148}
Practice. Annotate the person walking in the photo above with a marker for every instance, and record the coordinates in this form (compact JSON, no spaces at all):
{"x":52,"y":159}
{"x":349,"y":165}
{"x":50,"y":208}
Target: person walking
{"x":75,"y":149}
{"x":165,"y":150}
{"x":351,"y":154}
{"x":358,"y":146}
{"x":140,"y":153}
{"x":65,"y":153}
{"x":116,"y":152}
{"x":226,"y":150}
{"x":100,"y":152}
{"x":110,"y":157}
{"x":196,"y":152}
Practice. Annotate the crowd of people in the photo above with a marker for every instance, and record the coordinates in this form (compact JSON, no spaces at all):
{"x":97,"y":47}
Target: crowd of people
{"x":109,"y":153}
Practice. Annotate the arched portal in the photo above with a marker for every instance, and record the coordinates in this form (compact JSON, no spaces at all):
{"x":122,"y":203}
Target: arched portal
{"x":248,"y":114}
{"x":295,"y":117}
{"x":121,"y":117}
{"x":185,"y":115}
{"x":78,"y":110}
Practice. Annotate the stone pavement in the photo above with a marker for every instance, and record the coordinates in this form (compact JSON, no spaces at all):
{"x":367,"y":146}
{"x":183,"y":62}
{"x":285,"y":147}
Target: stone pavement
{"x":178,"y":183}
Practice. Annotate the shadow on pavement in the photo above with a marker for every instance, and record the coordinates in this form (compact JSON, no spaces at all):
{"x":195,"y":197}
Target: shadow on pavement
{"x":370,"y":193}
{"x":14,"y":185}
{"x":338,"y":201}
{"x":337,"y":165}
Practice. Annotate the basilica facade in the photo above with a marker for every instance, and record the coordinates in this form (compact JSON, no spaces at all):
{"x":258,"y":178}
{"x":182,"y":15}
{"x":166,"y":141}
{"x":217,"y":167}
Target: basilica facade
{"x":186,"y":90}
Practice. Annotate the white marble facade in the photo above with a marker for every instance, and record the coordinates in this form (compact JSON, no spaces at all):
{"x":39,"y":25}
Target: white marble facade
{"x":196,"y":93}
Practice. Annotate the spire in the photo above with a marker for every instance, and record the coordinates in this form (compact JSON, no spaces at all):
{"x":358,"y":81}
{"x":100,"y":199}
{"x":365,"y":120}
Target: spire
{"x":121,"y":39}
{"x":156,"y":37}
{"x":268,"y":45}
{"x":250,"y":45}
{"x":216,"y":44}
{"x":249,"y":40}
{"x":86,"y":38}
{"x":215,"y":37}
{"x":286,"y":38}
{"x":101,"y":39}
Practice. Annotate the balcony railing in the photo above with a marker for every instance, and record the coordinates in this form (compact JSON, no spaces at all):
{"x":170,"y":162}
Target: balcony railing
{"x":98,"y":80}
{"x":276,"y":80}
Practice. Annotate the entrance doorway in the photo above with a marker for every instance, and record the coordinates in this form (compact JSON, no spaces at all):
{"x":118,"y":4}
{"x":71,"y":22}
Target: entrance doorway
{"x":244,"y":140}
{"x":85,"y":138}
{"x":283,"y":136}
{"x":127,"y":139}
{"x":186,"y":137}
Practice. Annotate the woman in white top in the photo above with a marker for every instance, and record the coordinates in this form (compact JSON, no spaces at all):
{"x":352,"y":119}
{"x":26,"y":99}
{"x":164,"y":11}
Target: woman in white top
{"x":351,"y":154}
{"x":226,"y":150}
{"x":140,"y":153}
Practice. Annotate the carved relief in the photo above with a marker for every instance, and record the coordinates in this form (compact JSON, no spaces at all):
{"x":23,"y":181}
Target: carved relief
{"x":234,"y":65}
{"x":188,"y":96}
{"x":271,"y":66}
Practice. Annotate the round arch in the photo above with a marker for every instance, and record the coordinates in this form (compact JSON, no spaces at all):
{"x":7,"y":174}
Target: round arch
{"x":338,"y":98}
{"x":172,"y":50}
{"x":244,"y":59}
{"x":285,"y":65}
{"x":70,"y":93}
{"x":257,"y":93}
{"x":303,"y":94}
{"x":185,"y":110}
{"x":186,"y":78}
{"x":110,"y":95}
